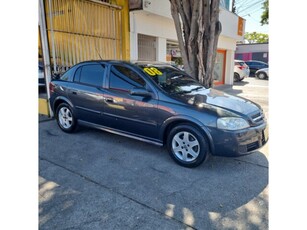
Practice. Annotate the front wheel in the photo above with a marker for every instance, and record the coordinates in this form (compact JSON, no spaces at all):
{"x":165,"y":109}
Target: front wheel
{"x":65,"y":118}
{"x":187,"y":146}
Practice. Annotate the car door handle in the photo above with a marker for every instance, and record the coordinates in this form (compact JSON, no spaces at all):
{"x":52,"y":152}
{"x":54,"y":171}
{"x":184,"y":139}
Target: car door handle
{"x":108,"y":99}
{"x":74,"y":92}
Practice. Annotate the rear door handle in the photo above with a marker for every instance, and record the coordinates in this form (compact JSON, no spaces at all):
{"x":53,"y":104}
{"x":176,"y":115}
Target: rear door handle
{"x":74,"y":92}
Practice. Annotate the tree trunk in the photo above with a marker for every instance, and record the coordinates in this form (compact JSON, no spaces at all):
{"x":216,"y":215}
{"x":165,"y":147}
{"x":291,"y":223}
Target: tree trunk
{"x":198,"y":28}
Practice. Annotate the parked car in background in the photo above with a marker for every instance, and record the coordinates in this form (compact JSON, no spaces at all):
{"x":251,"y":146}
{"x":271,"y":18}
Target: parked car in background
{"x":255,"y":65}
{"x":262,"y":73}
{"x":41,"y":75}
{"x":241,"y":70}
{"x":158,"y":104}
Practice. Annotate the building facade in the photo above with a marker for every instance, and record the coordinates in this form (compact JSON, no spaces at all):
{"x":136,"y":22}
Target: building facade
{"x":153,"y":36}
{"x":72,"y":31}
{"x":259,"y":52}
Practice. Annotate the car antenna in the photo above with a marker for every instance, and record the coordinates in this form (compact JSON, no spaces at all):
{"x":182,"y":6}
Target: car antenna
{"x":98,"y":52}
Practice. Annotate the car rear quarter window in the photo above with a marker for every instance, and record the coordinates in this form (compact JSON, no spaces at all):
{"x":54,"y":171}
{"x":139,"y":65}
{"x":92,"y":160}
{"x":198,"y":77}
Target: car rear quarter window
{"x":90,"y":75}
{"x":66,"y":76}
{"x":77,"y":74}
{"x":124,"y":79}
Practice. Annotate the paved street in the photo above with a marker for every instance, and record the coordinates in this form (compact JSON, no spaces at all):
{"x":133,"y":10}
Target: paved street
{"x":96,"y":180}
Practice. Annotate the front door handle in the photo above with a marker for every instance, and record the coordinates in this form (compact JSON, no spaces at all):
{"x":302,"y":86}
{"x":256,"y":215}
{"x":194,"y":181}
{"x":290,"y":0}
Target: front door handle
{"x":108,"y":99}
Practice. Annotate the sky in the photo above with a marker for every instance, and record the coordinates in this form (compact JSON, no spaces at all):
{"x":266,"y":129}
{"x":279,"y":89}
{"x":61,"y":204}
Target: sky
{"x":251,"y":11}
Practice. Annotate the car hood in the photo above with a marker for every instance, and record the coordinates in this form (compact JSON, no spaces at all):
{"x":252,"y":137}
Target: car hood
{"x":216,"y":98}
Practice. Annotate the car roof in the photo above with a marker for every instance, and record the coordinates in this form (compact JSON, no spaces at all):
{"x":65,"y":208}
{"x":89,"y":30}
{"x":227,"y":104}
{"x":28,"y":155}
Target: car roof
{"x":140,"y":64}
{"x":256,"y":61}
{"x":155,"y":63}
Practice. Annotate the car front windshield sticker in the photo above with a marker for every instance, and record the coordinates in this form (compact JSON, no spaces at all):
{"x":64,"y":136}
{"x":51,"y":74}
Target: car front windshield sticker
{"x":152,"y":71}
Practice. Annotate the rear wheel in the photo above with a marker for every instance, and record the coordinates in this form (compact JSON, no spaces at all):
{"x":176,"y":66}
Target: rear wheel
{"x":187,"y":146}
{"x":236,"y":77}
{"x":65,"y":118}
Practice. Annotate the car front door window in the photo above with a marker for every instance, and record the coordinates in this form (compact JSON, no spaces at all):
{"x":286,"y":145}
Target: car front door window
{"x":125,"y":79}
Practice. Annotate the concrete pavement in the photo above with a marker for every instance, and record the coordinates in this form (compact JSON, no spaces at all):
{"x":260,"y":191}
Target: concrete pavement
{"x":96,"y":180}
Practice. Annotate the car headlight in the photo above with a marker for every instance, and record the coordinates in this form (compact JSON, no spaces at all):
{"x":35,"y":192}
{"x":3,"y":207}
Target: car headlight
{"x":232,"y":123}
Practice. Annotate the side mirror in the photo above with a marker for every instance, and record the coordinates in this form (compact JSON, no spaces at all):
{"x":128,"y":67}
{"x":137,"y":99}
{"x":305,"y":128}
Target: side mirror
{"x":140,"y":92}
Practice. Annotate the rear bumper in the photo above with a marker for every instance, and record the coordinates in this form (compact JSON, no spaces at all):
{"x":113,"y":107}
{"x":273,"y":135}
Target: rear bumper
{"x":238,"y":143}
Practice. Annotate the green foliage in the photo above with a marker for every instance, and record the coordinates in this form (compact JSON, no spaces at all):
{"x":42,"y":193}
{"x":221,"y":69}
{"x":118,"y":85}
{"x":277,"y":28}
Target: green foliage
{"x":255,"y":37}
{"x":265,"y":13}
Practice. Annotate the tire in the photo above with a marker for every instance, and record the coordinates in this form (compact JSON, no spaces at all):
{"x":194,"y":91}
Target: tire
{"x":236,"y":77}
{"x":262,"y":75}
{"x":65,"y":118}
{"x":187,"y":146}
{"x":252,"y":72}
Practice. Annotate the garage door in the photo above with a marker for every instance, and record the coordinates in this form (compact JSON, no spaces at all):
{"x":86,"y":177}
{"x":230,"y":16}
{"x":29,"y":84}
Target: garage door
{"x":80,"y":30}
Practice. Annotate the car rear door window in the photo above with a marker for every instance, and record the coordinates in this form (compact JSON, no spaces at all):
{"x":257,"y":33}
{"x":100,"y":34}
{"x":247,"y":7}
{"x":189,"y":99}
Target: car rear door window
{"x":90,"y":75}
{"x":125,"y":79}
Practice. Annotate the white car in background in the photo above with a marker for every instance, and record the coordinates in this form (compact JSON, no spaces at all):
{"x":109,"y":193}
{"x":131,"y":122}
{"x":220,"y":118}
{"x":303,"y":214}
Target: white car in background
{"x":262,"y":73}
{"x":241,"y":70}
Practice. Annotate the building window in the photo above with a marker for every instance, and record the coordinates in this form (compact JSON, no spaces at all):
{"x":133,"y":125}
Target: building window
{"x":146,"y":48}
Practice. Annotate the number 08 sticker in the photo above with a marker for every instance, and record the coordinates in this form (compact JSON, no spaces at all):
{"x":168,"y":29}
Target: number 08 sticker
{"x":152,"y":71}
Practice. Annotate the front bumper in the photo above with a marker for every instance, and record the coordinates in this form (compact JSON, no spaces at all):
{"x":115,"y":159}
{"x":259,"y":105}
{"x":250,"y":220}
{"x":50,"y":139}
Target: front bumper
{"x":240,"y":142}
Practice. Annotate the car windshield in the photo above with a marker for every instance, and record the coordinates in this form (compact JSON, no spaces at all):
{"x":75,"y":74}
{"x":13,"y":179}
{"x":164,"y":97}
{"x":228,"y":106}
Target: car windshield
{"x":172,"y":80}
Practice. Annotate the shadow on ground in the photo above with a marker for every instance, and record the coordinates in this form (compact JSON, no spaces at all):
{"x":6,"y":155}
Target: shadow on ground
{"x":96,"y":180}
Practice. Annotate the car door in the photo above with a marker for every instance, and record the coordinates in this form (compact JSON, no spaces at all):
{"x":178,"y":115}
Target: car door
{"x":86,"y":92}
{"x":130,"y":113}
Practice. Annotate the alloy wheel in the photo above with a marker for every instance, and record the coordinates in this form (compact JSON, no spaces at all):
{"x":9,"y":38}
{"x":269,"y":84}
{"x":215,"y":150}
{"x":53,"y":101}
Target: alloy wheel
{"x":261,"y":76}
{"x":65,"y":117}
{"x":185,"y":146}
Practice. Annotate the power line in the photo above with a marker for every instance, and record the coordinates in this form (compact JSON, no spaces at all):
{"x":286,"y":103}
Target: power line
{"x":240,"y":2}
{"x":252,"y":5}
{"x":243,"y":4}
{"x":251,"y":12}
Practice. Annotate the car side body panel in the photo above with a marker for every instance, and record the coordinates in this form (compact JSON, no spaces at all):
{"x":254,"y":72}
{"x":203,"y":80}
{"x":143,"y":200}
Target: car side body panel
{"x":151,"y":116}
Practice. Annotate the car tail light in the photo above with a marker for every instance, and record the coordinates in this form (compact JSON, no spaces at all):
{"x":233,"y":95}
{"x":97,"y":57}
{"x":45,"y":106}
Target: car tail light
{"x":51,"y":87}
{"x":241,"y":67}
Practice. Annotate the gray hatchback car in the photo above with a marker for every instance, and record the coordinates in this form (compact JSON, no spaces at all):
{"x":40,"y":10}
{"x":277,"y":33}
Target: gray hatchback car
{"x":159,"y":104}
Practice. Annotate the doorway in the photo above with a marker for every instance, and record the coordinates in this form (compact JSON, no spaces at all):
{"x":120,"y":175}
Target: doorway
{"x":219,"y":68}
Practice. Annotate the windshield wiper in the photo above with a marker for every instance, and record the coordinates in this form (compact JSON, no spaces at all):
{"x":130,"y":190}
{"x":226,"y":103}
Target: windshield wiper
{"x":196,"y":88}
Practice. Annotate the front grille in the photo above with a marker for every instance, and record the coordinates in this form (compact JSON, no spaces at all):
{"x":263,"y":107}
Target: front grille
{"x":257,"y":118}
